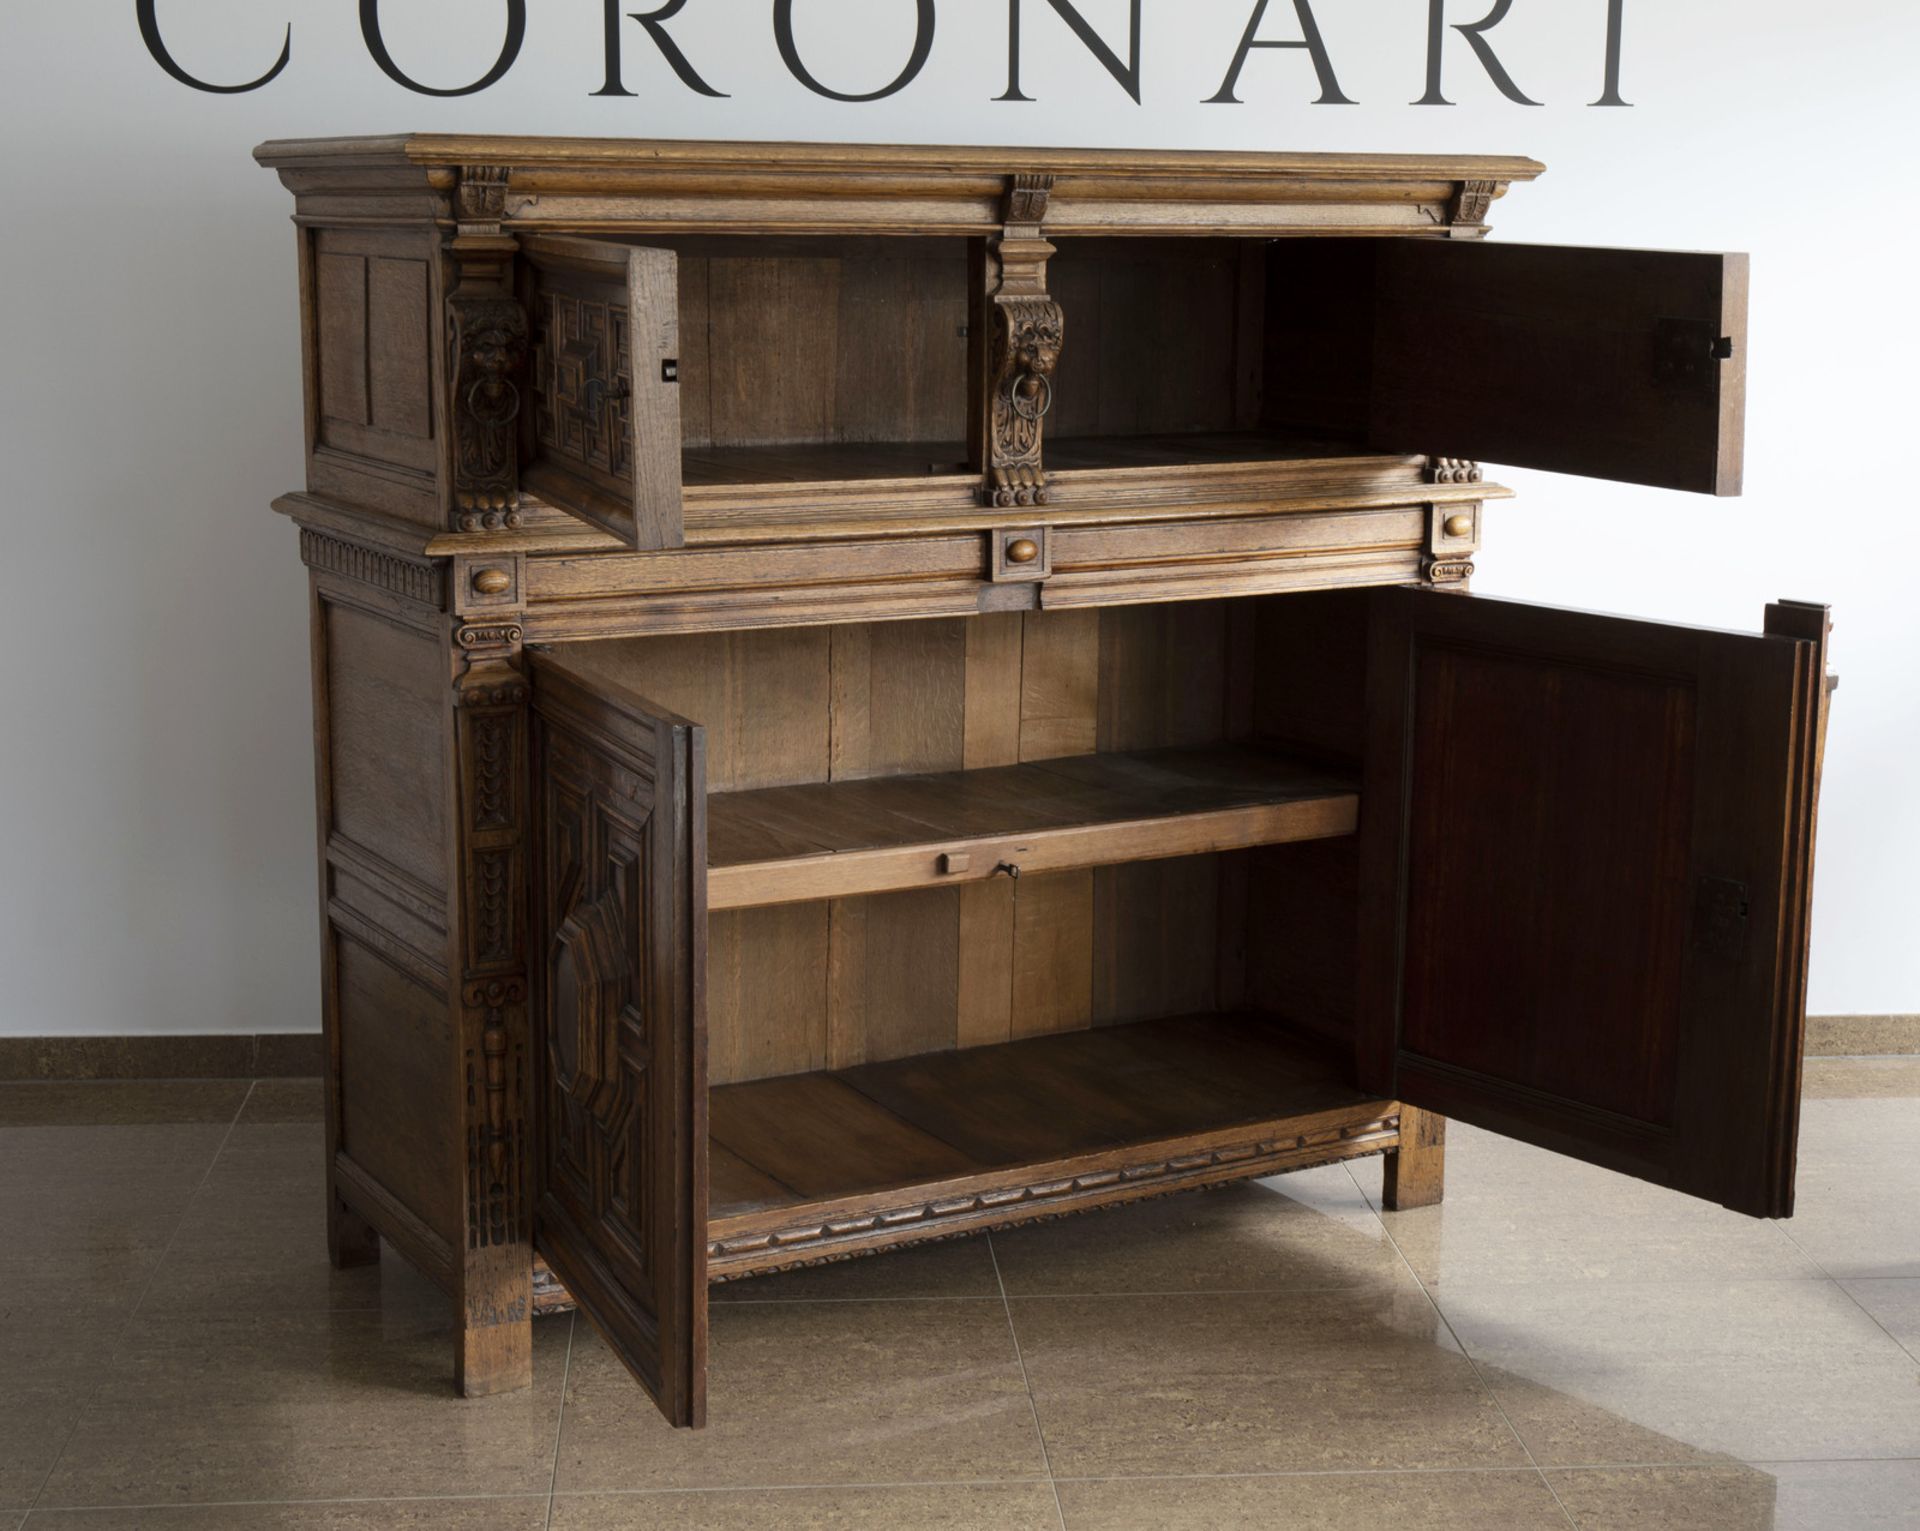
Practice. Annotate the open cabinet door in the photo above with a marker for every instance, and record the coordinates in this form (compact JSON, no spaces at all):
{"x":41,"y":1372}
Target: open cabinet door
{"x":603,"y":436}
{"x":1588,"y":845}
{"x":619,"y":923}
{"x":1616,"y":364}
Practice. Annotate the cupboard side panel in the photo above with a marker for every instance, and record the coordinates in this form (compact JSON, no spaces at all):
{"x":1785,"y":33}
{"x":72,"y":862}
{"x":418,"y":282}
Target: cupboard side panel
{"x":381,"y":751}
{"x":373,"y":333}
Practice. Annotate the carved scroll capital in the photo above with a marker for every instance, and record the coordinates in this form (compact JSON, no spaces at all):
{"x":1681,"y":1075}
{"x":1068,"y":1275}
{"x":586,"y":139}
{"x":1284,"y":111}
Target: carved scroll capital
{"x":481,"y":198}
{"x":1471,"y":204}
{"x":1026,"y":207}
{"x":489,"y":351}
{"x":1449,"y":571}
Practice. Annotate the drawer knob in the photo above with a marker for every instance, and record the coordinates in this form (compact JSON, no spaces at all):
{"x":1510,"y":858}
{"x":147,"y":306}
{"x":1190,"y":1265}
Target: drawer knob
{"x":1022,"y":550}
{"x":492,"y":581}
{"x":1459,"y":526}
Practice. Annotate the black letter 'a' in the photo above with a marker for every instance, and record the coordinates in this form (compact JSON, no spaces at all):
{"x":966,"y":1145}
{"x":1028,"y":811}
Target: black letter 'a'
{"x":1471,"y":30}
{"x":1330,"y":92}
{"x":656,"y":24}
{"x":377,"y":46}
{"x":1128,"y":74}
{"x":150,"y":31}
{"x":790,"y":52}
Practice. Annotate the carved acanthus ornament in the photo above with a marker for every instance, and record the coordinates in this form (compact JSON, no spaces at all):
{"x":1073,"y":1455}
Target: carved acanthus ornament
{"x":1028,"y":333}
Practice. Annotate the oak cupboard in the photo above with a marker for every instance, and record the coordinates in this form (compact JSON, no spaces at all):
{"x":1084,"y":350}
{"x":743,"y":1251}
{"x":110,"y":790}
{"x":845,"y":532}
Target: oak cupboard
{"x":868,"y":694}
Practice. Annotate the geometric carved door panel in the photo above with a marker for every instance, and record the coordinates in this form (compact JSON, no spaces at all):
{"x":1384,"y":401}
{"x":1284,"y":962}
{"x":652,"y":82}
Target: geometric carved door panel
{"x":620,"y":1151}
{"x":602,"y":435}
{"x":1587,"y":851}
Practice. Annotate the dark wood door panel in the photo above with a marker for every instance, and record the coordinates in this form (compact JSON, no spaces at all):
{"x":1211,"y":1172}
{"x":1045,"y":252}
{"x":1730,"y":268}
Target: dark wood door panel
{"x":603,"y":431}
{"x":1588,"y":848}
{"x":1617,"y":364}
{"x":620,"y":1045}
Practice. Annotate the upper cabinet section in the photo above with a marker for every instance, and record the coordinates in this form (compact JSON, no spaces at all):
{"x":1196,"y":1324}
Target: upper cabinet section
{"x":644,"y":337}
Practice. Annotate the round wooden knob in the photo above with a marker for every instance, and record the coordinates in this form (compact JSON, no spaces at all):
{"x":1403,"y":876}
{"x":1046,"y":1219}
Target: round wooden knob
{"x":1459,"y":526}
{"x":492,"y":581}
{"x":1023,"y":550}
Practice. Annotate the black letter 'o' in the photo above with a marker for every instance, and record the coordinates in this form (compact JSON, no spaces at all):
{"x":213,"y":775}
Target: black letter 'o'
{"x":376,"y":45}
{"x":922,"y":46}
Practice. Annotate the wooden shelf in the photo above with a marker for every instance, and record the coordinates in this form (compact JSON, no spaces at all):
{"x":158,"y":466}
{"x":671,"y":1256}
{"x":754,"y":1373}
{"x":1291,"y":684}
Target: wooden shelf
{"x":812,"y":1166}
{"x":780,"y":845}
{"x":840,"y":462}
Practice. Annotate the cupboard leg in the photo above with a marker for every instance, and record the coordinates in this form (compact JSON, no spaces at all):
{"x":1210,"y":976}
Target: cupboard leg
{"x":351,"y":1240}
{"x":1416,"y":1171}
{"x":493,"y":1358}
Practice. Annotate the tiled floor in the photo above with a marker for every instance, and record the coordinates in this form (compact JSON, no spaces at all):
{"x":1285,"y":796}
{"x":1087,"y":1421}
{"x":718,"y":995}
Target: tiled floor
{"x":1553,"y":1347}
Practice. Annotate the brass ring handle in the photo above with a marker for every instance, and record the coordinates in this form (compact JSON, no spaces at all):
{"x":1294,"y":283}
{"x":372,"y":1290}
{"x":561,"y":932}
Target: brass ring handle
{"x":1033,"y":396}
{"x":500,"y":415}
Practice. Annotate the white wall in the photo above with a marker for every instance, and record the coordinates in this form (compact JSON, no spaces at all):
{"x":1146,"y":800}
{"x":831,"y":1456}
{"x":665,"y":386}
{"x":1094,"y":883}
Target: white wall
{"x":156,"y":867}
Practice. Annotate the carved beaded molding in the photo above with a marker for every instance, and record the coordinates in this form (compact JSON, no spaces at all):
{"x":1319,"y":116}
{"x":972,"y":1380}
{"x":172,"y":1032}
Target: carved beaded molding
{"x":416,"y":580}
{"x":932,"y":1222}
{"x":1454,"y":470}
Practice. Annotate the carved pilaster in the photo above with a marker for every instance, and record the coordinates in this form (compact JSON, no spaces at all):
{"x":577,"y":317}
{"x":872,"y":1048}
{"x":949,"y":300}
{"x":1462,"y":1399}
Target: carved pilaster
{"x":493,"y":1021}
{"x":1028,"y":331}
{"x":488,"y":346}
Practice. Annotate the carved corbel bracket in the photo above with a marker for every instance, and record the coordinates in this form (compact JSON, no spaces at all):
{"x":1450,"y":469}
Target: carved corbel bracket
{"x":1028,"y":334}
{"x":1467,"y":217}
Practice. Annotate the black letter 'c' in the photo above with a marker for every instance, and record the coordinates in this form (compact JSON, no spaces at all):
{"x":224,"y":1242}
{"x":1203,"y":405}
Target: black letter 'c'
{"x":376,"y":45}
{"x":922,"y":47}
{"x":150,"y":32}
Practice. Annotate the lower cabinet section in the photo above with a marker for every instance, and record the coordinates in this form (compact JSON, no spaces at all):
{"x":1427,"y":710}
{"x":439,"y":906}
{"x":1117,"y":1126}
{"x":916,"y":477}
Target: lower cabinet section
{"x":854,"y":938}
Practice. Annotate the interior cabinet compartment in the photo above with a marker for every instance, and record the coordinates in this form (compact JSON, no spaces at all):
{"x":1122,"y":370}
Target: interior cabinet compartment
{"x":1616,"y":364}
{"x":822,"y":358}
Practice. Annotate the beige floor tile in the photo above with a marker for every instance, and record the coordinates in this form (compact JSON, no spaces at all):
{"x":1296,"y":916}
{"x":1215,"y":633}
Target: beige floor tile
{"x":1894,"y":1305}
{"x":1256,"y":1382}
{"x":1672,"y":1373}
{"x":86,"y":1211}
{"x":305,"y":1406}
{"x":1802,"y":1496}
{"x":1861,"y":1078}
{"x":1857,"y":1207}
{"x":1469,"y":1501}
{"x":51,"y":1362}
{"x":1514,"y":1213}
{"x":527,"y":1514}
{"x":1301,"y":1231}
{"x":945,"y":1507}
{"x":815,"y":1393}
{"x":254,"y":1238}
{"x":961,"y":1268}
